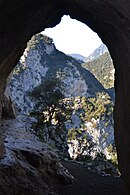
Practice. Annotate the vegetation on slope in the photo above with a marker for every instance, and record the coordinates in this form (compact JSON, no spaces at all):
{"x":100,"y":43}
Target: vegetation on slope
{"x":53,"y":111}
{"x":103,"y":70}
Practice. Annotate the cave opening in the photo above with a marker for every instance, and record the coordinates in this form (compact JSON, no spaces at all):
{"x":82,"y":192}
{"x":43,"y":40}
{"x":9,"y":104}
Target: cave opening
{"x":108,"y":23}
{"x":69,"y":97}
{"x":72,"y":33}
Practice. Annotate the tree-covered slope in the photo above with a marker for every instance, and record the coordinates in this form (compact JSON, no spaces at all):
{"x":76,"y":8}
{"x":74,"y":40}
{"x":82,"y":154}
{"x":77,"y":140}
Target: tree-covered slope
{"x":103,"y":70}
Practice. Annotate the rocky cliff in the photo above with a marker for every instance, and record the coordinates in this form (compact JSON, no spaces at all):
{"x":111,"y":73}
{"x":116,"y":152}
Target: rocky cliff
{"x":42,"y":64}
{"x":42,"y":61}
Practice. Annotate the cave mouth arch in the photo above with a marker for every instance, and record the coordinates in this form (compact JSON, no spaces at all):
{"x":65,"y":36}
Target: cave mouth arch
{"x":111,"y":22}
{"x":36,"y":71}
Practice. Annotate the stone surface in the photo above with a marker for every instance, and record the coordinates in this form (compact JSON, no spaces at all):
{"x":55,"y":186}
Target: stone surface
{"x":18,"y":128}
{"x":99,"y":139}
{"x":8,"y":110}
{"x":42,"y":62}
{"x":28,"y":166}
{"x":110,"y":19}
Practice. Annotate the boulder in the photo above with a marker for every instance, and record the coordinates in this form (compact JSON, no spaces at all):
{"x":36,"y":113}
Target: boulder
{"x":31,"y":167}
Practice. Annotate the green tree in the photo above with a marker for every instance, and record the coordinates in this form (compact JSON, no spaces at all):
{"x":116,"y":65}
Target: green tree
{"x":51,"y":113}
{"x":46,"y":97}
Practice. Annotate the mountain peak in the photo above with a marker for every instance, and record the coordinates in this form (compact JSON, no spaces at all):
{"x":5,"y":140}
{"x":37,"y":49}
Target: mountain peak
{"x":42,"y":62}
{"x":97,"y":53}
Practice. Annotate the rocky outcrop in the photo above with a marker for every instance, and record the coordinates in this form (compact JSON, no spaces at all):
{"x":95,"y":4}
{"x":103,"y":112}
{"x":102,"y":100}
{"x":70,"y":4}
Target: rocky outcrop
{"x":42,"y":62}
{"x":110,"y":19}
{"x":29,"y":166}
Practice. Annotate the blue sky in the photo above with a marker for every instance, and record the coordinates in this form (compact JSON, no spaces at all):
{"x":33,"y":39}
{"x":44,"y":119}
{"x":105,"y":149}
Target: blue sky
{"x":72,"y":36}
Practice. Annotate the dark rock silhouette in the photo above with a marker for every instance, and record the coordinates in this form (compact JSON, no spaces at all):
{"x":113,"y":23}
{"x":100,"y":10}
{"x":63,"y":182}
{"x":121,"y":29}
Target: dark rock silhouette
{"x":19,"y":20}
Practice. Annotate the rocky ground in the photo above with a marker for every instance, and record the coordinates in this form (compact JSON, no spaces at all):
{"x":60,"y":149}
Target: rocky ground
{"x":31,"y":167}
{"x":88,"y":183}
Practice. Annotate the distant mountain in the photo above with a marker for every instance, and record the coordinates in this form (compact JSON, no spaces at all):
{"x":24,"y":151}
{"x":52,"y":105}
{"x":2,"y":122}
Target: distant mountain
{"x":102,"y":68}
{"x":78,"y":57}
{"x":94,"y":55}
{"x":97,"y":53}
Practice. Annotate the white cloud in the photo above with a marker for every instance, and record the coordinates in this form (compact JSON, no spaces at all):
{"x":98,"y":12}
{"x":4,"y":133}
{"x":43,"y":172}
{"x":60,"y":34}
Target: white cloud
{"x":72,"y":36}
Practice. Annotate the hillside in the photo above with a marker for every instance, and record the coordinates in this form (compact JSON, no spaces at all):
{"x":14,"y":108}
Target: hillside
{"x":103,"y":69}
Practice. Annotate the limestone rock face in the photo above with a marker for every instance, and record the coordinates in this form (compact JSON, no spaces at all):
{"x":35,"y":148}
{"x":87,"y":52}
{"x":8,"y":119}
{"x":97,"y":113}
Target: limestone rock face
{"x":41,"y":62}
{"x":110,"y":19}
{"x":89,"y":137}
{"x":100,"y":138}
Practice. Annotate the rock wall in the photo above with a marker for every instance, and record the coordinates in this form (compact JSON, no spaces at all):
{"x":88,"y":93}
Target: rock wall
{"x":29,"y":166}
{"x":42,"y":62}
{"x":110,"y":19}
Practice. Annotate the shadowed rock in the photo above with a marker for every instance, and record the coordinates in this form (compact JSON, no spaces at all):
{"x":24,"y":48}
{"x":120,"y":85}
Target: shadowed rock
{"x":19,"y":20}
{"x":30,"y":167}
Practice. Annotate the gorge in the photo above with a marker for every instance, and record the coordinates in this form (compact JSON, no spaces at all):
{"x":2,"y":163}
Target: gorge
{"x":111,"y":20}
